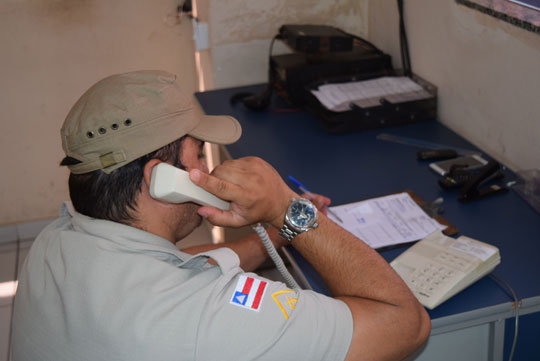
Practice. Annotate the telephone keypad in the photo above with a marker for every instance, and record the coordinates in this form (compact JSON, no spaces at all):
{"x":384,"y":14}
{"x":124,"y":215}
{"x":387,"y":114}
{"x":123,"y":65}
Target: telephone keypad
{"x":427,"y":279}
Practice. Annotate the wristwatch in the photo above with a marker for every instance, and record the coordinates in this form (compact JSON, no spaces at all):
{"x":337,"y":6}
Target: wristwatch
{"x":301,"y":216}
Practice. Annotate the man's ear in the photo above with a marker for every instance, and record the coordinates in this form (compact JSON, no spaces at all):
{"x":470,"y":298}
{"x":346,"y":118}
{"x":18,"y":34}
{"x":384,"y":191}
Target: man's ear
{"x":148,"y":171}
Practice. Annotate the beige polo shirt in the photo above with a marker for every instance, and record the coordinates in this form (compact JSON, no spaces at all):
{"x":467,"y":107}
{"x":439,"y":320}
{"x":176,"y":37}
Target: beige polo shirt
{"x":98,"y":290}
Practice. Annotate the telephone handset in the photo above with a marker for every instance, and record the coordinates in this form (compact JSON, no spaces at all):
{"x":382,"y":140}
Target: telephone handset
{"x":173,"y":185}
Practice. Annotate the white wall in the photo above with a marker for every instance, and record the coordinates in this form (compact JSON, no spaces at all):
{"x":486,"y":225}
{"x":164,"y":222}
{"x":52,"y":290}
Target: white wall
{"x":241,"y":32}
{"x":487,"y":72}
{"x":51,"y":52}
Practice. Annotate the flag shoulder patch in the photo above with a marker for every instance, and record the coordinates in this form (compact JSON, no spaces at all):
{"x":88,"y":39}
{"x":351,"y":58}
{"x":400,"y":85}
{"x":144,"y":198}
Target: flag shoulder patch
{"x":249,"y":293}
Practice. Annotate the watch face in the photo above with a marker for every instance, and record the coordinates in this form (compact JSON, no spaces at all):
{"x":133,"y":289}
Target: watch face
{"x":302,"y":214}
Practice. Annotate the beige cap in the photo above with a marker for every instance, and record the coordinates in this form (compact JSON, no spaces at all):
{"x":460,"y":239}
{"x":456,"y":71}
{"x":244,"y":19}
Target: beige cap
{"x":126,"y":116}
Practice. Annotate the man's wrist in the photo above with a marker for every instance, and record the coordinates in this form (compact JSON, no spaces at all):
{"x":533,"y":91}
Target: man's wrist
{"x":300,"y":217}
{"x":282,"y":207}
{"x":276,"y":239}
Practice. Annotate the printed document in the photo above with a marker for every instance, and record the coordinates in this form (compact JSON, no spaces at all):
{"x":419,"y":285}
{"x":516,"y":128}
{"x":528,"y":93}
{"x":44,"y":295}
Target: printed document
{"x":386,"y":221}
{"x":368,"y":93}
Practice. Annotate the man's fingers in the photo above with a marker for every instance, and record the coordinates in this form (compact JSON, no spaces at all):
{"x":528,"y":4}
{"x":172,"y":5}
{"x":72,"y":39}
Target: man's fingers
{"x":221,"y":218}
{"x":223,"y":190}
{"x":220,"y":188}
{"x":256,"y":192}
{"x":320,"y":201}
{"x":323,"y":201}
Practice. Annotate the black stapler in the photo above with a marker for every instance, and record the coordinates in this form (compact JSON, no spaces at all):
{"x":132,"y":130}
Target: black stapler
{"x":471,"y":191}
{"x":459,"y":175}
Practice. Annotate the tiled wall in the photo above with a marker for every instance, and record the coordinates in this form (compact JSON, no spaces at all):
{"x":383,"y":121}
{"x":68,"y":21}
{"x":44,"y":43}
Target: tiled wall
{"x":15,"y":241}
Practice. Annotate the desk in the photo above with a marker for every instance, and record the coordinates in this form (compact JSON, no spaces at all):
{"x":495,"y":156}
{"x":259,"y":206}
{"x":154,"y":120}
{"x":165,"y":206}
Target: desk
{"x":476,"y":323}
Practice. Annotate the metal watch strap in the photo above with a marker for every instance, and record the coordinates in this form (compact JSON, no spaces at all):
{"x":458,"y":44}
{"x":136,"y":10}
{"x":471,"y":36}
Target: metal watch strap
{"x":287,"y":233}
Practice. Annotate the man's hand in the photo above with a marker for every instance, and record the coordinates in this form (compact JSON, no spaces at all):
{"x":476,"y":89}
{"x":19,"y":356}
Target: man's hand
{"x":320,"y":201}
{"x":255,"y":189}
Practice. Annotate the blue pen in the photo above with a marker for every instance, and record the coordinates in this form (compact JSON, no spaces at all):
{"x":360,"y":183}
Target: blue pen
{"x":304,"y":189}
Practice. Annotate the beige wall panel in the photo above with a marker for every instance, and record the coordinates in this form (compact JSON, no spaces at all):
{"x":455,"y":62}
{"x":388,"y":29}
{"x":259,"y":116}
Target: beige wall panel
{"x":52,"y":51}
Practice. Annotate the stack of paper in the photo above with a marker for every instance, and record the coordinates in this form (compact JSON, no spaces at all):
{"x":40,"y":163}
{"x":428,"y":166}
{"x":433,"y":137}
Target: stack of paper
{"x":368,"y":93}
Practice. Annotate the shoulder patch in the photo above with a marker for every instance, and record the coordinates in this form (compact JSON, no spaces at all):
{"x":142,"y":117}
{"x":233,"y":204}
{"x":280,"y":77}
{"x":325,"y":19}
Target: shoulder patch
{"x":249,"y":293}
{"x":286,"y":301}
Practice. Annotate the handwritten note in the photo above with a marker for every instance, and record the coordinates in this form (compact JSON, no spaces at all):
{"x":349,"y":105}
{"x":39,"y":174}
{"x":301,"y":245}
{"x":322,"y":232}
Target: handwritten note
{"x":386,"y":221}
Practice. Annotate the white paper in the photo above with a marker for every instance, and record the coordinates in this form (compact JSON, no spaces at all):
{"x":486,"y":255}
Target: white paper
{"x":368,"y":93}
{"x":476,"y":249}
{"x":386,"y":221}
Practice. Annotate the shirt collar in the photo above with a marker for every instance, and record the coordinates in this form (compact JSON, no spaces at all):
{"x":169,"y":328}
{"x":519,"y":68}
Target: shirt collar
{"x":130,"y":238}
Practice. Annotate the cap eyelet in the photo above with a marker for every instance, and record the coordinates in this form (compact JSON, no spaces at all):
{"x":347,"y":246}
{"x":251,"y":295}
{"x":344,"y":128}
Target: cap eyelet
{"x":90,"y":134}
{"x":102,"y":130}
{"x":127,"y":122}
{"x":114,"y":126}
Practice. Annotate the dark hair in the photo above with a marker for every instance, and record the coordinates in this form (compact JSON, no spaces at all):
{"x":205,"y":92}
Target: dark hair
{"x":112,"y":196}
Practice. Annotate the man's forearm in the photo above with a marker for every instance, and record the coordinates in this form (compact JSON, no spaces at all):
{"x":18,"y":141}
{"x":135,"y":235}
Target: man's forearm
{"x":250,"y":249}
{"x":349,"y":266}
{"x":382,"y":306}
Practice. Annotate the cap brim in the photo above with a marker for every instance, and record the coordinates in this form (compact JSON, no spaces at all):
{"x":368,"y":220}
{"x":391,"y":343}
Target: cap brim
{"x":217,"y":129}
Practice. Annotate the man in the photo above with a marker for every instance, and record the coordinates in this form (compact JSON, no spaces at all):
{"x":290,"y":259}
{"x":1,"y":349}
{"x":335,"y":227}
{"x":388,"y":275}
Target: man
{"x":106,"y":281}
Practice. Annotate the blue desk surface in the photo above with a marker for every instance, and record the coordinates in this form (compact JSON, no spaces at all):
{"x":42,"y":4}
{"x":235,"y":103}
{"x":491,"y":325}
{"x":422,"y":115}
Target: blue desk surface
{"x":356,"y":166}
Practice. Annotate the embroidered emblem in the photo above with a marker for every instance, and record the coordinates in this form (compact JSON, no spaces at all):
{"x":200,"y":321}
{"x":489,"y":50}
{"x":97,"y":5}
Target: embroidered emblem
{"x":285,"y":301}
{"x":249,"y":293}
